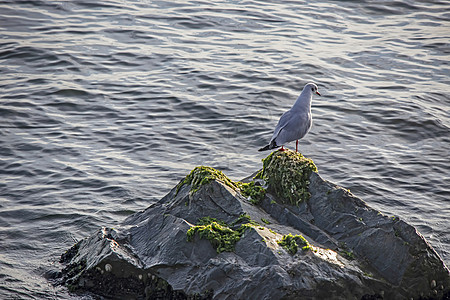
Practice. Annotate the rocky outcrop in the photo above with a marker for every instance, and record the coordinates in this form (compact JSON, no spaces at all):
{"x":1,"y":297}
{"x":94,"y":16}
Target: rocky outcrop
{"x":206,"y":240}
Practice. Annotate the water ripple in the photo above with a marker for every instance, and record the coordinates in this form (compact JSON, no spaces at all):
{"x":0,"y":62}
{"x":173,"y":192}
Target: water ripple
{"x":105,"y":106}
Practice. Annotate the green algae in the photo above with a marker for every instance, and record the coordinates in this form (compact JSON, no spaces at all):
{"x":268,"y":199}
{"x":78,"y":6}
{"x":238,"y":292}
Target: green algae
{"x":245,"y":219}
{"x":203,"y":175}
{"x":222,"y":237}
{"x":208,"y":220}
{"x":292,"y":242}
{"x":265,"y":221}
{"x":287,"y":175}
{"x":255,"y":192}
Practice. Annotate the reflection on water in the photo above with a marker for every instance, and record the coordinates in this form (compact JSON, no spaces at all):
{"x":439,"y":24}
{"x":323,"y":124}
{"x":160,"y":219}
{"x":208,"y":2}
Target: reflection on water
{"x":105,"y":107}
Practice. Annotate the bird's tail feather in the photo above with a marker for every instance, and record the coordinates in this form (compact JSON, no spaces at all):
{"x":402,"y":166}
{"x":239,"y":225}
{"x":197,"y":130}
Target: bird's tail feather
{"x":272,"y":145}
{"x":265,"y":148}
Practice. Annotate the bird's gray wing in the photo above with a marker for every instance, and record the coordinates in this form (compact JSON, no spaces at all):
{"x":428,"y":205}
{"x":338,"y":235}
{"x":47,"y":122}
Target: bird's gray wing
{"x":294,"y":127}
{"x":282,"y":122}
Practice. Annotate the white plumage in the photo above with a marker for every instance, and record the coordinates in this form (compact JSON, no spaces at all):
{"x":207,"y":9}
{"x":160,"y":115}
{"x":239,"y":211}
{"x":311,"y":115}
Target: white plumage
{"x":296,"y":122}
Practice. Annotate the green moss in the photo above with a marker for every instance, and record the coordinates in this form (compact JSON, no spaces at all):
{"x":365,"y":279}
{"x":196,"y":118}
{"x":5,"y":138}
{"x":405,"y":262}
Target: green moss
{"x":286,"y":172}
{"x":287,"y":175}
{"x":292,"y":242}
{"x":245,"y":218}
{"x":203,"y":175}
{"x":265,"y":221}
{"x":255,"y":192}
{"x":209,"y":220}
{"x":307,"y":247}
{"x":222,"y":237}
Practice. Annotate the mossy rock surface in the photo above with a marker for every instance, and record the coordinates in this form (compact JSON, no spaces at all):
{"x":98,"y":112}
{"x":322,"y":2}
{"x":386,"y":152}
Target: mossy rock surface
{"x":221,"y":235}
{"x":202,"y":175}
{"x":253,"y":192}
{"x":285,"y":172}
{"x":287,"y":175}
{"x":292,"y":242}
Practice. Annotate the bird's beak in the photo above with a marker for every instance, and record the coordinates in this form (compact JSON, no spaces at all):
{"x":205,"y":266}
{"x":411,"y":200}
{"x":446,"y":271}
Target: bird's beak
{"x":318,"y":93}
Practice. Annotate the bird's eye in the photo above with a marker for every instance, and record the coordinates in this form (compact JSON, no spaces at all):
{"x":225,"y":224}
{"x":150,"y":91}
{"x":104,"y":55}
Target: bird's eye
{"x":312,"y":89}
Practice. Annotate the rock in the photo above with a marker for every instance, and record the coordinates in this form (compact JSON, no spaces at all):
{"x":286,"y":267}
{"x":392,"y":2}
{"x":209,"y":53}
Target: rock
{"x":206,"y":240}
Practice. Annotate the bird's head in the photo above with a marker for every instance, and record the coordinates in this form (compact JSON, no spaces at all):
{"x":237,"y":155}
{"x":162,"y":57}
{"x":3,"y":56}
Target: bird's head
{"x":312,"y":87}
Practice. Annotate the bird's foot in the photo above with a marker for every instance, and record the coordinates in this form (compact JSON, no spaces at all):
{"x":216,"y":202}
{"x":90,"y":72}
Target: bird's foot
{"x":281,"y":149}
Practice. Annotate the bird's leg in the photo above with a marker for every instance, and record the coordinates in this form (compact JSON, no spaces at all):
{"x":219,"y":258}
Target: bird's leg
{"x":281,"y":149}
{"x":296,"y":146}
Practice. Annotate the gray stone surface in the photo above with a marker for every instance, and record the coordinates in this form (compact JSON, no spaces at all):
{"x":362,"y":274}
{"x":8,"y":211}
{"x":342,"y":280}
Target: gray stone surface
{"x":357,"y":252}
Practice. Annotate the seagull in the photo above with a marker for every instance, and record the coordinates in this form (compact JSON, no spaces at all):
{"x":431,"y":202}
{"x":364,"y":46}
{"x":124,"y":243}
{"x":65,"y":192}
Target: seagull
{"x":296,"y":122}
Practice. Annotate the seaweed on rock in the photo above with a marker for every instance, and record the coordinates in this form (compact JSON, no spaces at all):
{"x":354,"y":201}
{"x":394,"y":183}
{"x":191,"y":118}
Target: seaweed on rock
{"x":287,"y":175}
{"x":292,"y":242}
{"x":203,"y":175}
{"x":221,"y":235}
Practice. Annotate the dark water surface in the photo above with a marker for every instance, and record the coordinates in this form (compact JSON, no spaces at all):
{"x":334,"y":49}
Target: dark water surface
{"x":105,"y":107}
